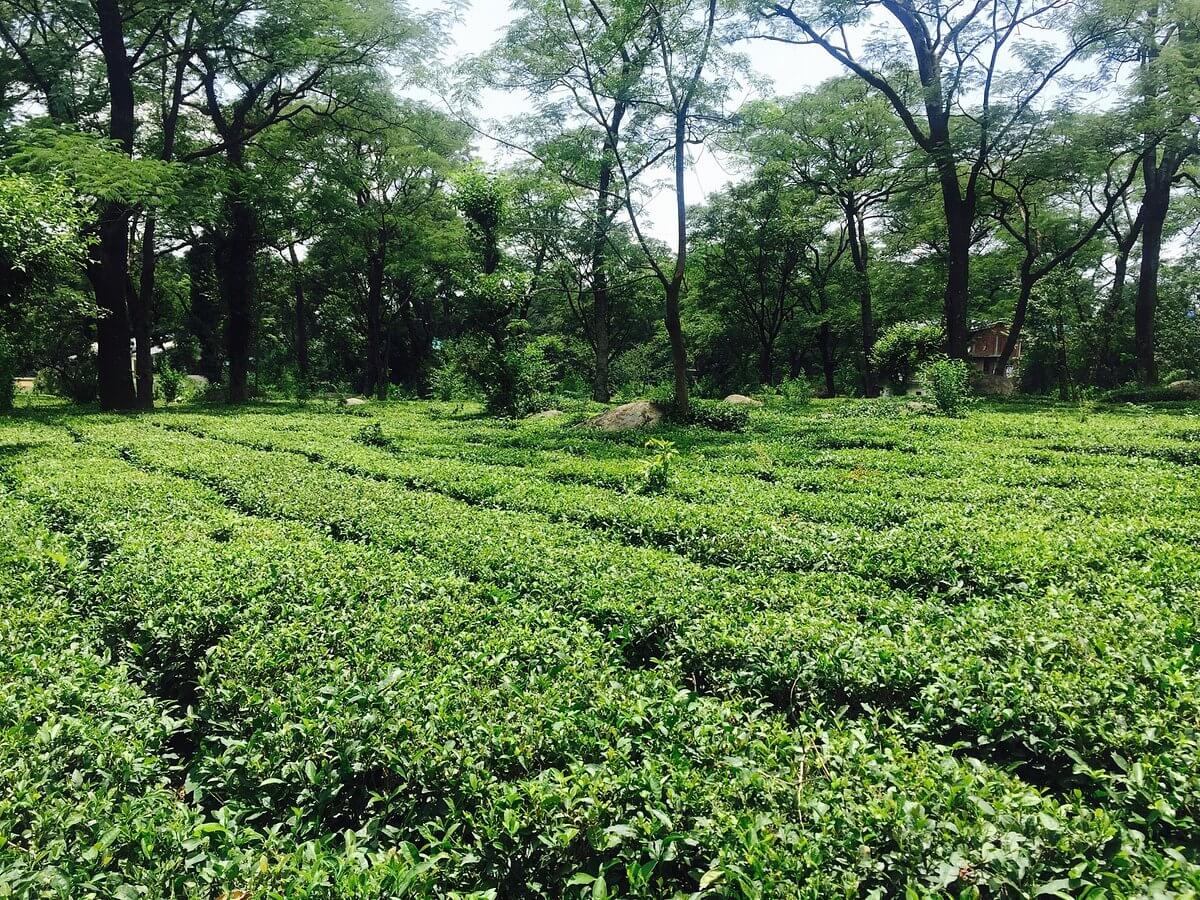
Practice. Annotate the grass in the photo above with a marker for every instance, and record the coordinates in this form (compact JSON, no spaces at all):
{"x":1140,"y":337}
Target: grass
{"x":412,"y":651}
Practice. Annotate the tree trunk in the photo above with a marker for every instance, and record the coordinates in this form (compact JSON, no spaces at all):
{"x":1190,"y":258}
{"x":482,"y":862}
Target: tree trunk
{"x":376,"y":375}
{"x":678,"y":348}
{"x":1104,"y":373}
{"x":1064,"y":375}
{"x":675,"y":285}
{"x":958,"y":274}
{"x":601,"y":343}
{"x":236,"y":275}
{"x":1154,"y":215}
{"x":108,"y":268}
{"x":301,"y":319}
{"x":107,"y":272}
{"x":766,"y":363}
{"x":140,"y":302}
{"x":204,"y":314}
{"x":860,"y":254}
{"x":827,"y":364}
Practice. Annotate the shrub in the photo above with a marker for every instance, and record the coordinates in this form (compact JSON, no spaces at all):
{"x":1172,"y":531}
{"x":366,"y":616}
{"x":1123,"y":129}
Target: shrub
{"x":899,"y":353}
{"x":8,"y":372}
{"x":949,"y":382}
{"x":795,"y":391}
{"x":448,"y":383}
{"x":169,"y":383}
{"x":718,"y":415}
{"x":371,"y":435}
{"x":656,"y":477}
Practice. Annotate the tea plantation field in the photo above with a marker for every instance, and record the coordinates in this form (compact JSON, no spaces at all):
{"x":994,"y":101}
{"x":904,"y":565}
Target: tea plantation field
{"x":854,"y":651}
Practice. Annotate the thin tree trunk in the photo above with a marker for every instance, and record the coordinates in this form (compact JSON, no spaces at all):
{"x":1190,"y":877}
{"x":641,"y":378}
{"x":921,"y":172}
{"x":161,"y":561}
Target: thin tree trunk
{"x":860,"y":254}
{"x":1106,"y":365}
{"x":675,"y":285}
{"x":827,"y":363}
{"x":204,"y":310}
{"x":301,"y":319}
{"x":601,"y":392}
{"x":1154,"y":208}
{"x":140,"y":302}
{"x":236,"y":273}
{"x":376,"y":375}
{"x":958,"y":275}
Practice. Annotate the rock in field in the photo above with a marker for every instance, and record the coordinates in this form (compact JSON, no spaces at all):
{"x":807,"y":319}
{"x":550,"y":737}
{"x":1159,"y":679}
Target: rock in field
{"x":1187,"y":390}
{"x":742,"y":400}
{"x":631,"y":416}
{"x":354,"y":401}
{"x":545,"y":414}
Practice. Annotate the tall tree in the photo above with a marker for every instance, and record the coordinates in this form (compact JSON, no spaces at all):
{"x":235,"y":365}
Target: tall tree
{"x":968,"y":78}
{"x":842,"y":141}
{"x":584,"y":61}
{"x":263,"y":64}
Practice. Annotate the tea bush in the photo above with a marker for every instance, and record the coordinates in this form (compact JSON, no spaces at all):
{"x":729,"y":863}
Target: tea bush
{"x":290,"y":653}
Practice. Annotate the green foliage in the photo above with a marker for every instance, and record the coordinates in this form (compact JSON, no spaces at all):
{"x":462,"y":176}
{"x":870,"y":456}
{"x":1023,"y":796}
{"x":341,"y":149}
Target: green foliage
{"x":371,"y":435}
{"x":719,"y":415}
{"x":791,"y":392}
{"x":949,"y":381}
{"x":904,"y":347}
{"x":480,"y":627}
{"x":656,"y":476}
{"x":170,"y":382}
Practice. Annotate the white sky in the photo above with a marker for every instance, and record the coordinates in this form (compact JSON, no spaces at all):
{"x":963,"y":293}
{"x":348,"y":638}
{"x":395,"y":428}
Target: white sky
{"x":790,"y":69}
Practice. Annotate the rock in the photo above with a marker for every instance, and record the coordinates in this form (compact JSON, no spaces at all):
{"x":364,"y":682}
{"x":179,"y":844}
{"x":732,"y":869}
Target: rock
{"x":1186,"y":389}
{"x":920,"y":408}
{"x":546,"y":414}
{"x":354,"y":401}
{"x":198,"y":380}
{"x":742,"y":400}
{"x":631,"y":416}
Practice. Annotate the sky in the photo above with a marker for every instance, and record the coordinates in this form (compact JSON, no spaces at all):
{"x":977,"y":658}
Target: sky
{"x":789,"y":70}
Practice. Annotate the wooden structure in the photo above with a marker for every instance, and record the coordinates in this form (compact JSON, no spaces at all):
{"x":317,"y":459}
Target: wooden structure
{"x":986,"y":347}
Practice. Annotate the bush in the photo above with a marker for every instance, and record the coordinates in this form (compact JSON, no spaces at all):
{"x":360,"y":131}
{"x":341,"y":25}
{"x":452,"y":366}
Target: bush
{"x":899,"y":353}
{"x":718,"y":415}
{"x":949,"y":381}
{"x":448,"y":383}
{"x":76,"y":380}
{"x":792,"y":392}
{"x":371,"y":435}
{"x":656,"y":477}
{"x":170,"y":382}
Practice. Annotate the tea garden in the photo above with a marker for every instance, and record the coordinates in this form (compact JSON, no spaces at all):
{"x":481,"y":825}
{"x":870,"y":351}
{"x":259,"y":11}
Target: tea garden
{"x":856,"y":650}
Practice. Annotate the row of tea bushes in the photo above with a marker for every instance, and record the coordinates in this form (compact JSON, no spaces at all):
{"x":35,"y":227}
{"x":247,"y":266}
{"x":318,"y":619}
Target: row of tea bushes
{"x":1092,"y":675}
{"x":346,"y":693}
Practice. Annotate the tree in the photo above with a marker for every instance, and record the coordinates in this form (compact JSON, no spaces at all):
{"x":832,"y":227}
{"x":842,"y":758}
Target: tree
{"x":969,"y":78}
{"x":842,"y":141}
{"x":589,"y":57}
{"x":683,"y":34}
{"x":1034,"y":203}
{"x":1161,"y":38}
{"x":41,"y":247}
{"x":750,"y":247}
{"x":262,"y":65}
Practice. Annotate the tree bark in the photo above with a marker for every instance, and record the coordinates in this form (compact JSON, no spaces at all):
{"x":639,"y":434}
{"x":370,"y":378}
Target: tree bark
{"x":301,"y":319}
{"x":827,"y":363}
{"x":204,"y":311}
{"x":376,"y":375}
{"x":108,"y":267}
{"x":236,"y":275}
{"x":675,"y":286}
{"x":860,"y":254}
{"x":1155,"y":206}
{"x":958,"y":272}
{"x":601,"y":392}
{"x":140,"y":316}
